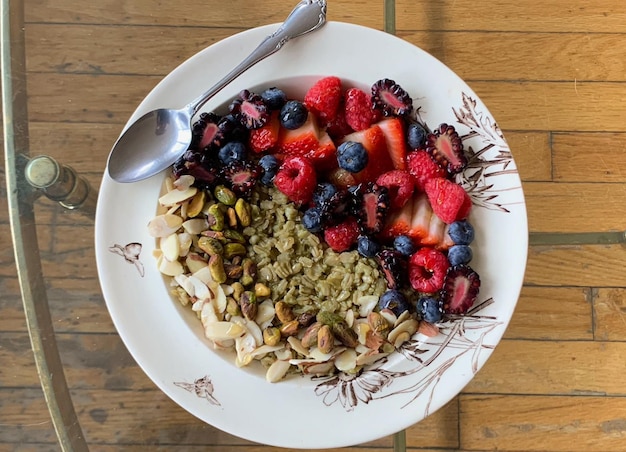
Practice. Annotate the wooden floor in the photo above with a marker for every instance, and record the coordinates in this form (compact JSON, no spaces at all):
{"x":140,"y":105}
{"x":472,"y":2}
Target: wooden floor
{"x":553,"y":73}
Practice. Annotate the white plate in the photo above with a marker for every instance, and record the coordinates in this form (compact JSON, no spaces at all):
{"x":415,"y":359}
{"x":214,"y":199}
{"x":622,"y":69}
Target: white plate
{"x":167,"y":341}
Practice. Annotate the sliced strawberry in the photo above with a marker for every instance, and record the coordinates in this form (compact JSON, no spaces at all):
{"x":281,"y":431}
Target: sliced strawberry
{"x":373,"y":139}
{"x":460,"y":289}
{"x":435,"y":233}
{"x":399,"y":186}
{"x":395,"y":137}
{"x":324,"y":97}
{"x":358,"y":109}
{"x":299,"y":141}
{"x":446,"y":148}
{"x":265,"y":138}
{"x":398,"y":223}
{"x":446,"y":241}
{"x":427,"y":270}
{"x":449,"y":200}
{"x":422,"y":212}
{"x":324,"y":157}
{"x":423,"y":168}
{"x":338,"y":127}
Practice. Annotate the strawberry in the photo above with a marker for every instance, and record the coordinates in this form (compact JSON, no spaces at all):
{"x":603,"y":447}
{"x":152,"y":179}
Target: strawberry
{"x":342,"y":236}
{"x":266,"y":137}
{"x":393,"y":128}
{"x":427,"y":270}
{"x":378,"y":159}
{"x":399,"y":187}
{"x":358,"y":109}
{"x":449,"y":201}
{"x":423,"y":168}
{"x":297,"y":179}
{"x":308,"y":141}
{"x":324,"y":97}
{"x":460,"y":289}
{"x":446,"y":148}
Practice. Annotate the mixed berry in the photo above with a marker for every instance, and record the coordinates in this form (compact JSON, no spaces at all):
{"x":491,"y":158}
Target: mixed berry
{"x":366,"y":175}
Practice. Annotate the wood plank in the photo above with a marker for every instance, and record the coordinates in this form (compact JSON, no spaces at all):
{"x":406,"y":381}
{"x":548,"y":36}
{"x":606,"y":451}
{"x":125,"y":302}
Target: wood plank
{"x":575,"y":207}
{"x":553,"y":368}
{"x":540,"y":423}
{"x":208,"y":13}
{"x":589,"y":157}
{"x":139,"y":50}
{"x":503,"y":15}
{"x":25,"y":417}
{"x":576,"y":266}
{"x":552,"y":313}
{"x":609,"y":307}
{"x":531,"y":151}
{"x":547,"y":106}
{"x":480,"y":55}
{"x":554,"y":106}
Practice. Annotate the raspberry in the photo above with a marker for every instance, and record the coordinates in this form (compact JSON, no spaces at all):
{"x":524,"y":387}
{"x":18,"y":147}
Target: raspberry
{"x":297,"y":179}
{"x":399,"y":186}
{"x":342,"y":236}
{"x":265,"y":137}
{"x":427,"y":270}
{"x":338,"y":127}
{"x":423,"y":168}
{"x":324,"y":97}
{"x":358,"y":109}
{"x":449,"y":201}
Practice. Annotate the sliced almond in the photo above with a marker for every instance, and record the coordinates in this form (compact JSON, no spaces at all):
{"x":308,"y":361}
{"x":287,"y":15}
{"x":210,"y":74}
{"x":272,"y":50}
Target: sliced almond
{"x":176,"y":197}
{"x":195,"y":226}
{"x":221,"y":331}
{"x":170,"y":247}
{"x":164,"y":225}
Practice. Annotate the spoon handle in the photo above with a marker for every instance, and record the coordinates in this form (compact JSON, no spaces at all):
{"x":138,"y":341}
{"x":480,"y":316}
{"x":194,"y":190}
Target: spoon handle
{"x":307,"y":16}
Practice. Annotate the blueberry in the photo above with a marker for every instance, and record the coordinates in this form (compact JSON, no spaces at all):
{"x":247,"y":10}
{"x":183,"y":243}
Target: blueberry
{"x":232,"y":152}
{"x":367,"y":247}
{"x":274,"y":98}
{"x":416,"y":135}
{"x":323,"y":192}
{"x":404,"y":245}
{"x":459,"y":254}
{"x":461,"y":232}
{"x":270,"y":165}
{"x":312,"y":219}
{"x":430,"y":309}
{"x":352,"y":156}
{"x":293,"y":114}
{"x":394,"y":300}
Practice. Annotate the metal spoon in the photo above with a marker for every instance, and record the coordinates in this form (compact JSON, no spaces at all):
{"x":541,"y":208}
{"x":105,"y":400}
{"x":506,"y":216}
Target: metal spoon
{"x":157,"y":139}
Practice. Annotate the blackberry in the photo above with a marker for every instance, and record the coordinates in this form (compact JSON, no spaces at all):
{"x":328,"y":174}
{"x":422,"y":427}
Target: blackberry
{"x":250,"y":110}
{"x":205,"y":132}
{"x":201,"y":165}
{"x":389,"y":98}
{"x":232,"y":129}
{"x":371,"y":203}
{"x":446,"y":148}
{"x":336,"y":208}
{"x":394,"y":268}
{"x":241,"y":176}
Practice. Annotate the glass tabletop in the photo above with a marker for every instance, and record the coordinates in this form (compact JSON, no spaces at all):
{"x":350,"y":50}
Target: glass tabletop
{"x":550,"y":72}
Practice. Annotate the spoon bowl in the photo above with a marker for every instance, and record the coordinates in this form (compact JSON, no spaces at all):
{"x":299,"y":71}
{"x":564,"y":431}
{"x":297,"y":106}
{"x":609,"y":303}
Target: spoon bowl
{"x":157,"y":139}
